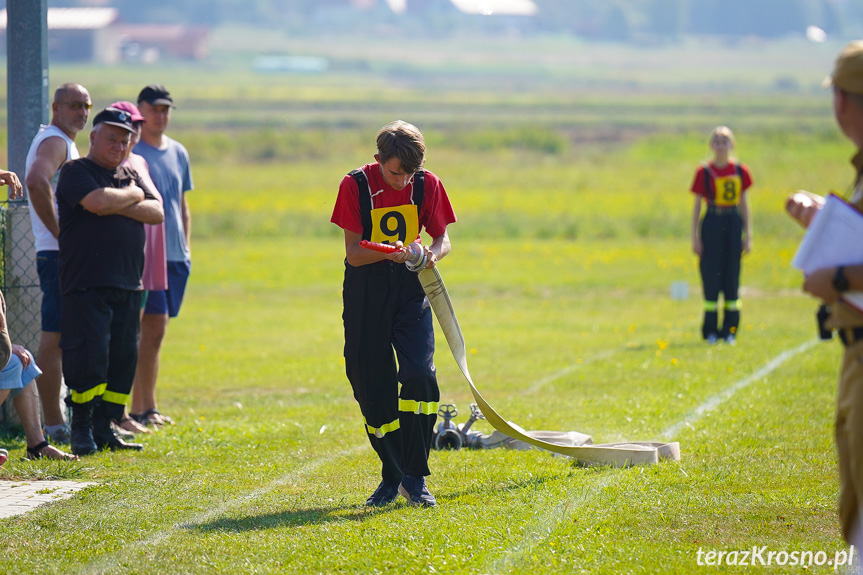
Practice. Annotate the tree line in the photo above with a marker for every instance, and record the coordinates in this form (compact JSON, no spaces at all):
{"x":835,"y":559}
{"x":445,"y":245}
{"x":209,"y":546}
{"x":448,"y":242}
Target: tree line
{"x":621,"y":20}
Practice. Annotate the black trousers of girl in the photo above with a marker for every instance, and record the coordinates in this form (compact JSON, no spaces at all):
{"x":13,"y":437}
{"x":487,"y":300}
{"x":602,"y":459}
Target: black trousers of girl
{"x":721,"y":238}
{"x":386,"y":311}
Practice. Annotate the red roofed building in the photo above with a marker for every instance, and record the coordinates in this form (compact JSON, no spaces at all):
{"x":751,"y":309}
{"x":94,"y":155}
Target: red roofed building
{"x":98,"y":35}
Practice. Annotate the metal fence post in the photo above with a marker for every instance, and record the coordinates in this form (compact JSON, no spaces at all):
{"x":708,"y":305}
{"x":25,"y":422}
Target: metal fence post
{"x":27,"y":108}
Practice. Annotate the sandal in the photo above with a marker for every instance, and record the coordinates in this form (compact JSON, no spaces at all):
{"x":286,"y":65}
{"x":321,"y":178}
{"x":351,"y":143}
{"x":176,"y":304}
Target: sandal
{"x":165,"y":419}
{"x":34,"y":453}
{"x":131,"y":425}
{"x":152,"y":417}
{"x":115,"y":427}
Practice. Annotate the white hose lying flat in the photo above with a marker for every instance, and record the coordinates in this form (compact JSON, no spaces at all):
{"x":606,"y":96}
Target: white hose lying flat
{"x":615,"y":454}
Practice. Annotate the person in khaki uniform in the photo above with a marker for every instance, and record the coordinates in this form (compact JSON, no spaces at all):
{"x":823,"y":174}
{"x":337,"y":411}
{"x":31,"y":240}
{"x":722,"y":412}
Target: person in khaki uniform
{"x":828,"y":284}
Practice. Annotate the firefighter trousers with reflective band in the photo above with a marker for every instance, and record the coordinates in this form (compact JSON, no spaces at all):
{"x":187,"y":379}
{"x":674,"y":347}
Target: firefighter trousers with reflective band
{"x":722,"y":245}
{"x":387,"y":317}
{"x":99,"y":342}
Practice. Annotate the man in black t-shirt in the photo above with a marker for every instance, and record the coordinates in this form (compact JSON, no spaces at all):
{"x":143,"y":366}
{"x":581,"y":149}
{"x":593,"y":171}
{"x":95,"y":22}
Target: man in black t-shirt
{"x":102,"y":207}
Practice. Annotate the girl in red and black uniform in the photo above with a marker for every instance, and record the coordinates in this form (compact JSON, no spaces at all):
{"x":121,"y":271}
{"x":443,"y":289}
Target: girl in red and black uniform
{"x":387,"y":316}
{"x":725,"y":233}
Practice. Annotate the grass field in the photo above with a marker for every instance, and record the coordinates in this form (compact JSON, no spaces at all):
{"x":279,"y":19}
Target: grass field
{"x":268,"y":466}
{"x":573,"y":222}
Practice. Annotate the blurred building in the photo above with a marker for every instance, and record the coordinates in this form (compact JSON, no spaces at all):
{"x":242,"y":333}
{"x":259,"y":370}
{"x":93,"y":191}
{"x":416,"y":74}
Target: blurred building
{"x":150,"y":42}
{"x":482,"y":7}
{"x":79,"y":34}
{"x":497,"y":7}
{"x":98,"y":35}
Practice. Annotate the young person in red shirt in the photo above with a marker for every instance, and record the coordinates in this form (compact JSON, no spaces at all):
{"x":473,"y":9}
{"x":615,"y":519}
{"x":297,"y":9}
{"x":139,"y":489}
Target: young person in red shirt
{"x":389,"y":335}
{"x":724,"y":235}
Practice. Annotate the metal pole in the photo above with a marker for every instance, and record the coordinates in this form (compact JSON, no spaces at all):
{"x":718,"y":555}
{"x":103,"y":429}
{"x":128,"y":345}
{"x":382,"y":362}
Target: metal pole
{"x":27,"y":89}
{"x":27,"y":75}
{"x":27,"y":107}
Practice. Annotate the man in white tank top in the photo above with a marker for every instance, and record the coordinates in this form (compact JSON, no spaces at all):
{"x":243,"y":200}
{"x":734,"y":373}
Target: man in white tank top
{"x":52,"y":147}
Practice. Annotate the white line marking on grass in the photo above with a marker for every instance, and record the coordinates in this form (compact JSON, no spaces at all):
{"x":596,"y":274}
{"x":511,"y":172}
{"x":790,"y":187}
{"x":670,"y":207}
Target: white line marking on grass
{"x":112,"y":561}
{"x":714,"y":401}
{"x":539,"y":384}
{"x":541,"y":527}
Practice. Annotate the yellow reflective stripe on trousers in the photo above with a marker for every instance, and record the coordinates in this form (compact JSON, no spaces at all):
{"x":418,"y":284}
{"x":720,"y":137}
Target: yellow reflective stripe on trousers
{"x":379,"y":432}
{"x":418,"y":407}
{"x":710,"y":306}
{"x":733,"y":305}
{"x":89,"y":395}
{"x":114,"y":397}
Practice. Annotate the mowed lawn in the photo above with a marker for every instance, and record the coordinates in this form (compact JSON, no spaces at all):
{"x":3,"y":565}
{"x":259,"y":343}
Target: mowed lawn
{"x":561,"y":276}
{"x":268,"y":467}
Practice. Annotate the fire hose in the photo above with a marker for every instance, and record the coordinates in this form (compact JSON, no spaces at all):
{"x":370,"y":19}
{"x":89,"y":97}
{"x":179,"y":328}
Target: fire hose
{"x":615,"y":454}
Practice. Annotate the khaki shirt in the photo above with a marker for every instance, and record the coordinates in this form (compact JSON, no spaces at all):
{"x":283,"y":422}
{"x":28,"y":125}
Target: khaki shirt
{"x":842,"y":314}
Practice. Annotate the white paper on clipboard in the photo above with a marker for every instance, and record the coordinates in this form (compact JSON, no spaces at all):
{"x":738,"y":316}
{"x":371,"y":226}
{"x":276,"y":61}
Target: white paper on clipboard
{"x":834,"y":238}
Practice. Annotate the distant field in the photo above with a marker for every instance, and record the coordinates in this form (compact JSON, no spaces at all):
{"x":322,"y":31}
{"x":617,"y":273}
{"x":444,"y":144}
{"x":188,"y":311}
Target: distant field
{"x":546,"y":130}
{"x":569,"y":166}
{"x":476,"y":83}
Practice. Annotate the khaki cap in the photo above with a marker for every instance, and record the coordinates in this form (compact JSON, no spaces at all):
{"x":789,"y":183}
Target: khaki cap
{"x":848,"y":71}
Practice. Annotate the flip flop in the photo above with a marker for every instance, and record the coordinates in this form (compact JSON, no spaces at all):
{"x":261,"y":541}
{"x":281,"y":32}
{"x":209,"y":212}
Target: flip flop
{"x":165,"y":419}
{"x":125,"y":434}
{"x":131,"y":425}
{"x":152,"y":417}
{"x":34,"y":453}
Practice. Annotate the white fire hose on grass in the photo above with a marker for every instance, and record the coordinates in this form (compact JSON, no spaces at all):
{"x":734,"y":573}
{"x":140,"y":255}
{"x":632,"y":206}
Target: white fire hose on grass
{"x":614,"y":454}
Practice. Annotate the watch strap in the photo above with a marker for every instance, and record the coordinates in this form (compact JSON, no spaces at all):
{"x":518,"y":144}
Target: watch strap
{"x":840,"y":282}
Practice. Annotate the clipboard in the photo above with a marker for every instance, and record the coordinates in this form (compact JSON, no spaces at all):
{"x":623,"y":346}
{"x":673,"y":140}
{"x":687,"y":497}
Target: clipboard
{"x":834,"y":238}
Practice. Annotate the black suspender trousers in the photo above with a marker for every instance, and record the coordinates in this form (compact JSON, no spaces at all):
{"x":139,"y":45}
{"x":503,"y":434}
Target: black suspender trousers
{"x":389,"y":342}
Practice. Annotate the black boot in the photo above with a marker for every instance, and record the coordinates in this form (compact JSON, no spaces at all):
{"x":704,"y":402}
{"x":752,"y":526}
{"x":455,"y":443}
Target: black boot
{"x":729,"y":324}
{"x":710,"y":325}
{"x":107,"y":438}
{"x":81,"y":436}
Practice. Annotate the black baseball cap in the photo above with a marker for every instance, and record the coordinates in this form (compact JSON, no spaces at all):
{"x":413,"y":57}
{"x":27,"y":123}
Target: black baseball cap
{"x":156,"y":95}
{"x":115,"y":117}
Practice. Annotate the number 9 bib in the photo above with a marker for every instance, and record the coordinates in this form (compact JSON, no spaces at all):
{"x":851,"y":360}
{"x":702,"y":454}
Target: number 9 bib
{"x":395,"y":224}
{"x":727,"y":191}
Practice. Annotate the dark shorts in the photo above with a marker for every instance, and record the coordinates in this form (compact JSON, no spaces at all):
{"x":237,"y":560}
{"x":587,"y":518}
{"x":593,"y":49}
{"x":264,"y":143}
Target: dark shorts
{"x":170,"y":300}
{"x":49,"y":281}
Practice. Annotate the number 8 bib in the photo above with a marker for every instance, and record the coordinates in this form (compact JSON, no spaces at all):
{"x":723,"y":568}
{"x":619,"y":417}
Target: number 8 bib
{"x":727,"y":191}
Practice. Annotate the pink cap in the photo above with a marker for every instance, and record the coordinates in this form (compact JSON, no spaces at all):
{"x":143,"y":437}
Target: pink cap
{"x":131,"y":109}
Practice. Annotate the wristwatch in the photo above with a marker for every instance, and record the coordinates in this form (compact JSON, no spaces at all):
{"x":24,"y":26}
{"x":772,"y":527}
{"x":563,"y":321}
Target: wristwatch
{"x":840,"y":282}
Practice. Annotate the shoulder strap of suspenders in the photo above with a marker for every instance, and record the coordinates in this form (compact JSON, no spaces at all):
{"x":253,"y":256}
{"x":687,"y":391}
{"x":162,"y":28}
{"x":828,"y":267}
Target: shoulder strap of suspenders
{"x":708,"y":192}
{"x":419,"y":189}
{"x":365,"y":197}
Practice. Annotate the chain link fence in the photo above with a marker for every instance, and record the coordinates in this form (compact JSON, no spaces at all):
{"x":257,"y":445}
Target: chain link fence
{"x":19,"y":282}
